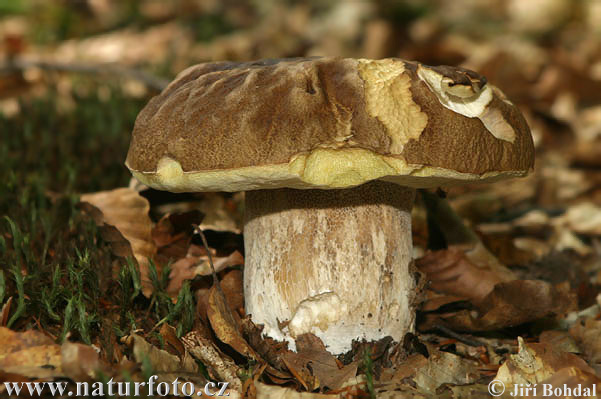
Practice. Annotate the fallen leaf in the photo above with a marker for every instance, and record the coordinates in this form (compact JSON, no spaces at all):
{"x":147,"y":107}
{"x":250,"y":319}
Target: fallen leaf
{"x":430,"y":377}
{"x":170,"y":337}
{"x":579,"y":382}
{"x":165,"y":366}
{"x":29,"y":354}
{"x":193,"y":265}
{"x":32,"y":354}
{"x":506,"y":248}
{"x":220,"y":366}
{"x":80,"y":362}
{"x":161,"y":360}
{"x":233,"y":289}
{"x":535,"y":363}
{"x":173,"y":232}
{"x":298,"y":368}
{"x":505,"y":306}
{"x":453,"y":272}
{"x":313,"y":360}
{"x":407,"y":369}
{"x":225,"y":325}
{"x":123,"y":45}
{"x":5,"y":312}
{"x":268,"y":348}
{"x":218,"y":214}
{"x":444,"y":368}
{"x":433,"y":301}
{"x":122,"y":215}
{"x":560,"y":340}
{"x":587,"y":334}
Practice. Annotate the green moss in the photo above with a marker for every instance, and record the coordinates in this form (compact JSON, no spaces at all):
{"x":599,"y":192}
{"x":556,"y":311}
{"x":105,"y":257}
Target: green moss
{"x":53,"y":261}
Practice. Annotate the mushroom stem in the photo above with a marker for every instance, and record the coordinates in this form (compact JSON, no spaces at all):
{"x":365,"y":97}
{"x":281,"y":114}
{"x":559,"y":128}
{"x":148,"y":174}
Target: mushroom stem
{"x":332,"y":262}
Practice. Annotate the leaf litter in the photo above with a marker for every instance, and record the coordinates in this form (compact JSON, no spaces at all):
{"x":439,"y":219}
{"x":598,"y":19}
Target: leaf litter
{"x":535,"y":238}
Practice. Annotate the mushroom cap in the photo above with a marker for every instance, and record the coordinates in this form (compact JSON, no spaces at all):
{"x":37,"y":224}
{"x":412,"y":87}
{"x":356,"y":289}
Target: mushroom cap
{"x":327,"y":123}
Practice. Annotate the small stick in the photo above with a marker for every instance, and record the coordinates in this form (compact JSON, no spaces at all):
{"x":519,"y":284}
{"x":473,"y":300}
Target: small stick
{"x":198,"y":230}
{"x":468,"y":341}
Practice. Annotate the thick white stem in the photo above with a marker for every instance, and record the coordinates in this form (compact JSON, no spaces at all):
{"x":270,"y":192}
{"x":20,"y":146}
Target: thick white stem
{"x":332,"y":262}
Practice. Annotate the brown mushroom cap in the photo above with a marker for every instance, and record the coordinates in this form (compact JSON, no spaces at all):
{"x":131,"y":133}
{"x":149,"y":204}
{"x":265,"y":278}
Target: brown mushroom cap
{"x":326,"y":123}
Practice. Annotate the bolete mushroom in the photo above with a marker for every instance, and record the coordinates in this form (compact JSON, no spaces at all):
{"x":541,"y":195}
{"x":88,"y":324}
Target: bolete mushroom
{"x":330,"y":152}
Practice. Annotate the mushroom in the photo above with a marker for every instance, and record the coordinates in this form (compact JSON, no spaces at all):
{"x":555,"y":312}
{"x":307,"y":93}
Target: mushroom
{"x":329,"y":152}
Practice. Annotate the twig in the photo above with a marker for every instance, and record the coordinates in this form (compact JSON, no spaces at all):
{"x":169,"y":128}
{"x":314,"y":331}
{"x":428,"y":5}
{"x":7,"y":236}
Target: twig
{"x":150,"y":81}
{"x":198,"y":230}
{"x":462,"y":338}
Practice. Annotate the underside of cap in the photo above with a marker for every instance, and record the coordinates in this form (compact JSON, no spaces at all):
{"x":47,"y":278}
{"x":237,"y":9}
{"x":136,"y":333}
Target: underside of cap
{"x":327,"y":123}
{"x":320,"y":169}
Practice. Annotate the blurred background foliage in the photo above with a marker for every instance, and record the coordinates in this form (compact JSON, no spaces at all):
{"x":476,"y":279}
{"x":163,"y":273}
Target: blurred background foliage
{"x":74,"y":73}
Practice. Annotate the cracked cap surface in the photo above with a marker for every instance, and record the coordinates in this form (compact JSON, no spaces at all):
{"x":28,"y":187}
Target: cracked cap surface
{"x":327,"y":123}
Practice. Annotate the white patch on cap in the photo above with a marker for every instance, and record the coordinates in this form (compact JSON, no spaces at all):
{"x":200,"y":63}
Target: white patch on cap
{"x":495,"y":123}
{"x":463,"y":100}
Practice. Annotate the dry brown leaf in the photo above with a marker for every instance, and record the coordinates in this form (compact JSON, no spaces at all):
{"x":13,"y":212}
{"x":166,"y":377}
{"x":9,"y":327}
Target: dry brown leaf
{"x":5,"y":312}
{"x":193,"y":265}
{"x":32,"y":354}
{"x":506,"y":247}
{"x":407,"y":369}
{"x":505,"y":306}
{"x":29,"y":354}
{"x":165,"y":366}
{"x":560,"y":232}
{"x":588,"y":336}
{"x":170,"y":337}
{"x":173,"y":232}
{"x":560,"y":340}
{"x":444,"y":368}
{"x":220,"y":263}
{"x":535,"y":363}
{"x":452,"y":272}
{"x":161,"y":360}
{"x":226,"y":326}
{"x":268,"y":348}
{"x":233,"y":289}
{"x":298,"y":369}
{"x":433,"y":301}
{"x":315,"y":367}
{"x":218,"y":214}
{"x":220,"y":366}
{"x":579,"y":382}
{"x":80,"y":362}
{"x":122,"y":215}
{"x":421,"y":377}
